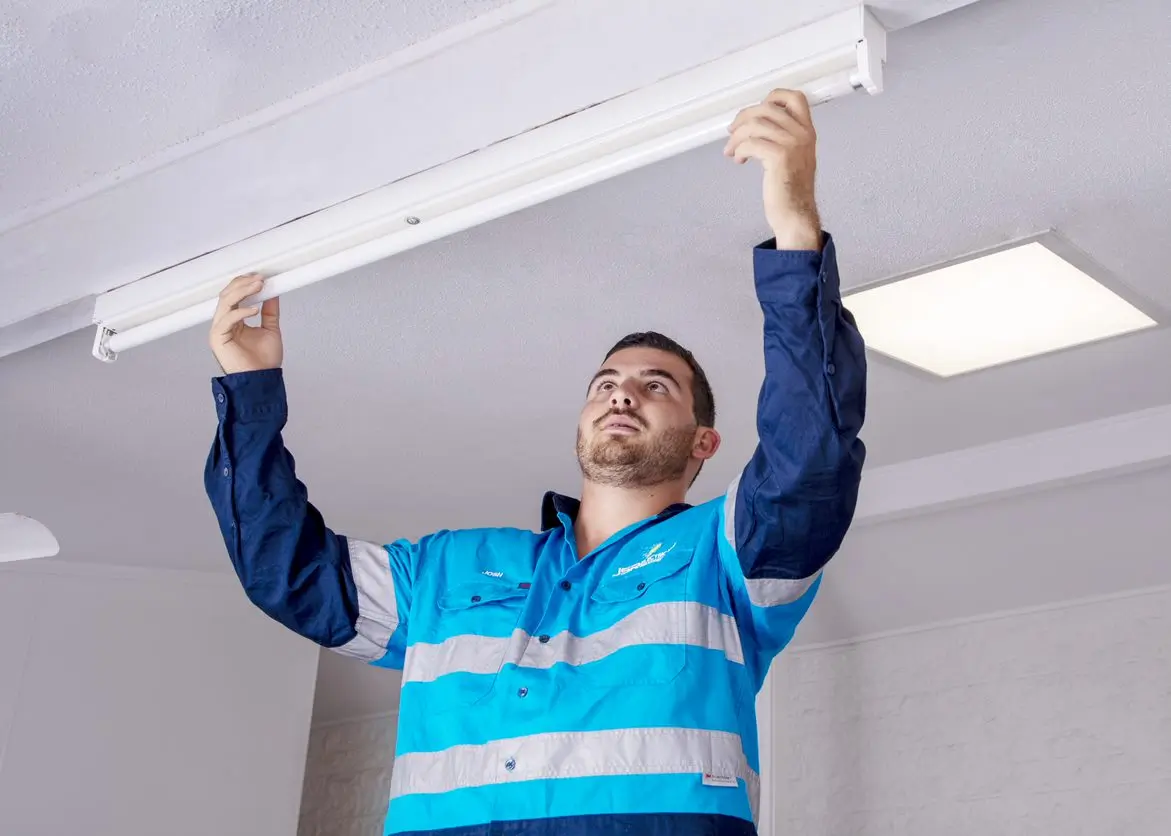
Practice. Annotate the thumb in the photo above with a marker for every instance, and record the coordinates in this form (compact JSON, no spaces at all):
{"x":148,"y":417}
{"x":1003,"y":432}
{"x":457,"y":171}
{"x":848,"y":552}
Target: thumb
{"x":270,"y":314}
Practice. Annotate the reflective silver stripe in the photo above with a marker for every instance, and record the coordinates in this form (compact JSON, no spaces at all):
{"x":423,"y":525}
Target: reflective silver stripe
{"x":773,"y":592}
{"x":762,"y":592}
{"x":671,"y":622}
{"x":617,"y":752}
{"x":730,"y":512}
{"x":466,"y":653}
{"x":362,"y":648}
{"x":377,"y":606}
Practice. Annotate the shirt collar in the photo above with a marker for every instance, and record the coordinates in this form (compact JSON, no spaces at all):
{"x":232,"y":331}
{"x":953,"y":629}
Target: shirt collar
{"x":555,"y":504}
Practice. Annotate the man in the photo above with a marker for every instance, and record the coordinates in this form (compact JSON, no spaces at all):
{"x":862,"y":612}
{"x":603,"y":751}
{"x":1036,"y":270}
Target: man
{"x":599,"y":676}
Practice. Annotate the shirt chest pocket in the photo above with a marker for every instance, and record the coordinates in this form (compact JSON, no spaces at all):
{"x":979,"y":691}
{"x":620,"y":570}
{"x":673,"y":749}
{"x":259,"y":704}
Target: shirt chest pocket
{"x":641,"y":621}
{"x":477,"y":620}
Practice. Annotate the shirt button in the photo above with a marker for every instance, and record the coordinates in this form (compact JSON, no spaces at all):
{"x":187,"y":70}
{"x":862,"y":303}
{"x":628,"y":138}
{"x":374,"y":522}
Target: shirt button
{"x":522,"y":693}
{"x":566,"y":585}
{"x":831,"y":368}
{"x":227,"y":471}
{"x":510,"y":764}
{"x":642,"y":586}
{"x":220,"y":397}
{"x":475,"y":599}
{"x":543,"y":639}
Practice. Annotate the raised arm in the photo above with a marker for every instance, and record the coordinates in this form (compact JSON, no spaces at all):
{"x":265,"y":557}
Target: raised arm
{"x":787,"y":513}
{"x":342,"y":593}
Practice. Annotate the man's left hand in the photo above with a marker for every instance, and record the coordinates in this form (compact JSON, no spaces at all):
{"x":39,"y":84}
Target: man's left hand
{"x":779,"y":133}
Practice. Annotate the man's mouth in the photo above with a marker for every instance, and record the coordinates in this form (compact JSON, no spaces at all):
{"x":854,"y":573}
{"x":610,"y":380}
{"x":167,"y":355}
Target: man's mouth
{"x":620,"y":424}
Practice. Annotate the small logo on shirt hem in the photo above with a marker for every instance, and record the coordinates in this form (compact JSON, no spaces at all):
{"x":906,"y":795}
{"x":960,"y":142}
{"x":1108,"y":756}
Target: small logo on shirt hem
{"x":710,"y":780}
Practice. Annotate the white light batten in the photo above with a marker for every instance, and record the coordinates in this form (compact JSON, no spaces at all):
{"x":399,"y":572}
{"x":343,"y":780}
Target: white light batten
{"x":1018,"y":301}
{"x":825,"y":59}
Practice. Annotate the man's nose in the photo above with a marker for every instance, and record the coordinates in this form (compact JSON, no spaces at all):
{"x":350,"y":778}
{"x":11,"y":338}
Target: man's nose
{"x":624,"y":397}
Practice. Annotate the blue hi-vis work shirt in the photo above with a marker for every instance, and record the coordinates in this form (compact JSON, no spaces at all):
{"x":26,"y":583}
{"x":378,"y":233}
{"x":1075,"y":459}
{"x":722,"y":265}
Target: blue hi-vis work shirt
{"x":547,"y":694}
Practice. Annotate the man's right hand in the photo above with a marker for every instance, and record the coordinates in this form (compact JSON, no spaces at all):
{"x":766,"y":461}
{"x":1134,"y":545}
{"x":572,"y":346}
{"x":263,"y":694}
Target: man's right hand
{"x":240,"y":347}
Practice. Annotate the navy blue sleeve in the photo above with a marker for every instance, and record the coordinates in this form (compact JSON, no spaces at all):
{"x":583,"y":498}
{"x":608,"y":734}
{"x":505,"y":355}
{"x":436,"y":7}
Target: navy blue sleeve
{"x":291,"y":565}
{"x":796,"y":498}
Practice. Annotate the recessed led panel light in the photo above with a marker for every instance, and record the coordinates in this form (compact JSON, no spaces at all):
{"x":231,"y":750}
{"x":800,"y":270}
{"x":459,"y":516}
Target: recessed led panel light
{"x":1014,"y":303}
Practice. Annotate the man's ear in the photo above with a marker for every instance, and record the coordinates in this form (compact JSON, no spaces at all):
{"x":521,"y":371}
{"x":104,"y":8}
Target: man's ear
{"x":707,"y":442}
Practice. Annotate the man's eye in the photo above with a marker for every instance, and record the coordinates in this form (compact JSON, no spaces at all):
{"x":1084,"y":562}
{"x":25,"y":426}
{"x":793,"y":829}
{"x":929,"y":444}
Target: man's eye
{"x":605,"y":386}
{"x":656,"y":387}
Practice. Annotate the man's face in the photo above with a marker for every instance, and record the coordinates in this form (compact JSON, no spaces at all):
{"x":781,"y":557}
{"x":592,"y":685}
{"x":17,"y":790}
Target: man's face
{"x":637,"y":427}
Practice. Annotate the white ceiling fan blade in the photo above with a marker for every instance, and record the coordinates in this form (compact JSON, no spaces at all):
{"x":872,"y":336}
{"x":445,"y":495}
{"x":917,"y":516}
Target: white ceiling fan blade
{"x":23,"y":538}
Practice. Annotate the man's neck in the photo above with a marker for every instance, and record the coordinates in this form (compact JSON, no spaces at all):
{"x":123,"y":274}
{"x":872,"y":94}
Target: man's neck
{"x":606,"y":510}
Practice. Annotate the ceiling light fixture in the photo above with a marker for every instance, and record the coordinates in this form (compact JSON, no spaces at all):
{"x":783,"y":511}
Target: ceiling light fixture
{"x":23,"y":538}
{"x":825,"y":59}
{"x":1024,"y":299}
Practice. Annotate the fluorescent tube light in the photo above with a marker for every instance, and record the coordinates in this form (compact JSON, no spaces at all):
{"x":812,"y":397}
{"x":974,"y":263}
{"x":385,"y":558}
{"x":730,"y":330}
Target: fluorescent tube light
{"x":23,"y":538}
{"x":825,"y":59}
{"x":1023,"y":300}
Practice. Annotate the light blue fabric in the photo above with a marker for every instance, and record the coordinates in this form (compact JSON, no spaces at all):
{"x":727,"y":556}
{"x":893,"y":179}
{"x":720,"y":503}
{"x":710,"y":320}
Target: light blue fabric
{"x":701,"y":672}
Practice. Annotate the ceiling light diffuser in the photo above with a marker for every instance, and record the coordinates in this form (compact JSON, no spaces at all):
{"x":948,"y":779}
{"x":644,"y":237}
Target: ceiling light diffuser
{"x":23,"y":538}
{"x":1023,"y":300}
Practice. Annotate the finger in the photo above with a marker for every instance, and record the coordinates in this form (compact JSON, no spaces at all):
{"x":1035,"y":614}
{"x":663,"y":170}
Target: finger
{"x":795,"y":102}
{"x":237,"y":290}
{"x":773,"y":113}
{"x":755,"y":148}
{"x":743,"y":116}
{"x":270,"y":314}
{"x":762,"y":129}
{"x":240,"y":281}
{"x":225,"y":324}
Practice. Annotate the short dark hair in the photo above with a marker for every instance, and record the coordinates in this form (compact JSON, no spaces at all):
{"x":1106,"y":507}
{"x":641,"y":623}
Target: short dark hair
{"x":704,"y":402}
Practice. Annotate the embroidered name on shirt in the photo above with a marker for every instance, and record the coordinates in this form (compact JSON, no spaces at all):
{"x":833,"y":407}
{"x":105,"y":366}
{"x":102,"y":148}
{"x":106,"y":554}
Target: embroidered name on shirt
{"x":493,"y":574}
{"x":653,"y":555}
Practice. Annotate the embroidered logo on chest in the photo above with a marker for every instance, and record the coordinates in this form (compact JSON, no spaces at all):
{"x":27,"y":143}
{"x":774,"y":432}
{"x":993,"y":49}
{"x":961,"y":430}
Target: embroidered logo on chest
{"x":652,"y":555}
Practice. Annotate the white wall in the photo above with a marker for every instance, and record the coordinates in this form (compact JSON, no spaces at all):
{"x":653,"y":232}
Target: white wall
{"x":140,"y":702}
{"x":347,"y":779}
{"x":1055,"y":721}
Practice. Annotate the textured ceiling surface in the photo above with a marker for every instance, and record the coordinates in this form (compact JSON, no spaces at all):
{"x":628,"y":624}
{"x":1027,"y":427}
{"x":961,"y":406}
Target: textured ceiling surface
{"x":140,"y":77}
{"x":441,"y":388}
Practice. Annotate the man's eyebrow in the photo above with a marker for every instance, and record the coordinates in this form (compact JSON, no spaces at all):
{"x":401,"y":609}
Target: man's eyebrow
{"x":602,"y":373}
{"x":663,"y":373}
{"x":660,"y":373}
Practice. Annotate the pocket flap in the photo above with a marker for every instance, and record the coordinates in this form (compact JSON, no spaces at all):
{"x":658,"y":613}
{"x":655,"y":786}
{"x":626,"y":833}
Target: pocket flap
{"x":636,"y":582}
{"x":479,"y":592}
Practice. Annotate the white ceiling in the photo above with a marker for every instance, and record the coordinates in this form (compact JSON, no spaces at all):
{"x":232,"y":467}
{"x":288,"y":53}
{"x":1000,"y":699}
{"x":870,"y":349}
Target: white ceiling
{"x":138,"y":78}
{"x":448,"y":369}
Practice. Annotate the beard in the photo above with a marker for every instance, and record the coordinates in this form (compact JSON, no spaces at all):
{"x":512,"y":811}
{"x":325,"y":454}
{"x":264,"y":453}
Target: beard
{"x":636,"y":461}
